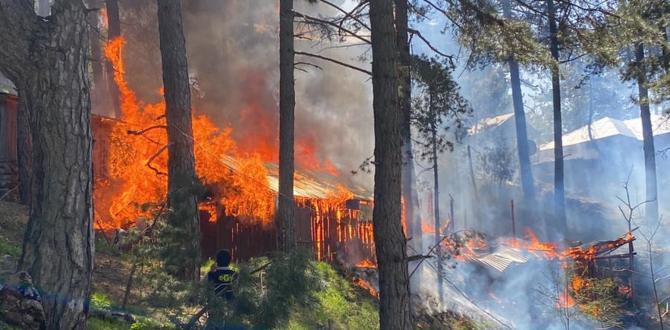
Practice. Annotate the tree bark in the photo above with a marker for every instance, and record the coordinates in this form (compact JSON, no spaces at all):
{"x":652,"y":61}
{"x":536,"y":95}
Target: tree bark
{"x":409,"y":197}
{"x":47,"y":60}
{"x":559,"y":184}
{"x":113,"y":32}
{"x":285,"y":210}
{"x":525,"y":169}
{"x":182,"y":197}
{"x":651,"y":208}
{"x":394,"y":311}
{"x":24,"y":148}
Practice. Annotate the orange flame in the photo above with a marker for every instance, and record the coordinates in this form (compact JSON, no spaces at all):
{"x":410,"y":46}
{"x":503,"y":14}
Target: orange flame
{"x":367,"y":286}
{"x":366,"y":263}
{"x":565,"y":301}
{"x":137,"y":162}
{"x":577,"y":283}
{"x":551,"y":250}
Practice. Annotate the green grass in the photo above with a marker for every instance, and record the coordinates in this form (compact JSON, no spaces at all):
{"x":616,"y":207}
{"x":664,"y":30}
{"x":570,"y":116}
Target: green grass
{"x":334,"y":303}
{"x":100,"y":324}
{"x":7,"y":248}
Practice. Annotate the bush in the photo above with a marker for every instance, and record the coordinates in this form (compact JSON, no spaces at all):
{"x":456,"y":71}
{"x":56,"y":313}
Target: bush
{"x":600,"y":299}
{"x":100,"y":301}
{"x":299,"y":293}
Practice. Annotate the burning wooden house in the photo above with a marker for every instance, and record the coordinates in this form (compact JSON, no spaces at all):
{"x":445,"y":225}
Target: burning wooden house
{"x":334,"y":221}
{"x":241,"y":187}
{"x":130,"y":165}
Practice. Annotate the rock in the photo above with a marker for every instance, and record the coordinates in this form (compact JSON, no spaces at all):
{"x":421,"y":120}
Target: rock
{"x":20,"y":303}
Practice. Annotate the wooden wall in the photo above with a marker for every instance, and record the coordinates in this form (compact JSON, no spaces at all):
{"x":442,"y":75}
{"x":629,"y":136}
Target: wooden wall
{"x":337,"y":234}
{"x":8,"y":166}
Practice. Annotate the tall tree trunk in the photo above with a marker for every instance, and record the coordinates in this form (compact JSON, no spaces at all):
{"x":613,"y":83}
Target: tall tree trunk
{"x":559,"y":184}
{"x":113,"y":32}
{"x":651,"y":208}
{"x":24,"y":148}
{"x":436,"y":204}
{"x":47,"y":60}
{"x":182,"y":197}
{"x":520,"y":122}
{"x":409,"y":198}
{"x":285,"y":210}
{"x":394,"y":311}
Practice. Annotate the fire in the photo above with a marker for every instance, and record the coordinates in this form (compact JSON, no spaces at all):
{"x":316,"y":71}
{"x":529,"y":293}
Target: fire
{"x":465,"y":245}
{"x":258,"y":130}
{"x":577,"y":283}
{"x":366,"y":263}
{"x":551,"y":250}
{"x":137,"y":163}
{"x":427,"y":229}
{"x":367,"y":286}
{"x":306,"y":148}
{"x":565,"y":301}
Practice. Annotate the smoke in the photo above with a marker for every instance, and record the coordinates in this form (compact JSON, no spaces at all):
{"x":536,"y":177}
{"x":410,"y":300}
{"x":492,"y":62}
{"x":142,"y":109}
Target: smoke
{"x":233,"y":54}
{"x":233,"y":57}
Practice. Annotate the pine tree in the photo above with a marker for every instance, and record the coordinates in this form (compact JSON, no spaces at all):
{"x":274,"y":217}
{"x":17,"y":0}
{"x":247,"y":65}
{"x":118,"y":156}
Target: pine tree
{"x":182,"y":183}
{"x":47,"y":59}
{"x":394,"y":307}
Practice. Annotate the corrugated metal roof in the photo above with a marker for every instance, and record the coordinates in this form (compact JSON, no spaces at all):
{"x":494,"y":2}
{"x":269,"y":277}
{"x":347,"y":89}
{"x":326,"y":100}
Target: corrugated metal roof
{"x":490,"y":122}
{"x":608,"y":127}
{"x":502,"y":258}
{"x":306,"y":184}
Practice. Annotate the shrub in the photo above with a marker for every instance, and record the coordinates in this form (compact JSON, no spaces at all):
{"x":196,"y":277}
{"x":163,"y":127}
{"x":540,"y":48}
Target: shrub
{"x":100,"y":301}
{"x":299,"y":293}
{"x":600,"y":299}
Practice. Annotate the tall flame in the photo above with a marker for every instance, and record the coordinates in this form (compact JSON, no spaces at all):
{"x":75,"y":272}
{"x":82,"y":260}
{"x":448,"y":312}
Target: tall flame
{"x":137,"y":161}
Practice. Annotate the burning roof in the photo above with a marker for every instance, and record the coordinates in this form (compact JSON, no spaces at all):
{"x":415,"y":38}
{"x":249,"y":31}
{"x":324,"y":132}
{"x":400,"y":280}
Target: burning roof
{"x":308,"y":184}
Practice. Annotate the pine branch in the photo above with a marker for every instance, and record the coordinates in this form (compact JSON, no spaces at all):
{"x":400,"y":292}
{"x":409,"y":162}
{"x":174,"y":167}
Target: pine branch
{"x":335,"y":61}
{"x":335,"y":25}
{"x":425,"y":41}
{"x":151,"y":159}
{"x":346,"y":15}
